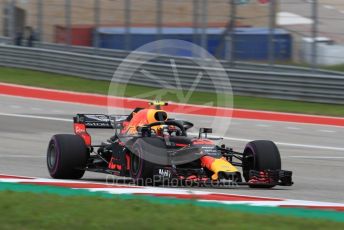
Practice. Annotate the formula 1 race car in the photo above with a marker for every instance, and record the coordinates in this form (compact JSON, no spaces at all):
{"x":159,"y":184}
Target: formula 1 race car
{"x":153,"y":149}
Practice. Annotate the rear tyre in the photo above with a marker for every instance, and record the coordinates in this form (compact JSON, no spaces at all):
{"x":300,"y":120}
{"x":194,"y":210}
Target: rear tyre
{"x":260,"y":155}
{"x":67,"y":155}
{"x":142,"y":170}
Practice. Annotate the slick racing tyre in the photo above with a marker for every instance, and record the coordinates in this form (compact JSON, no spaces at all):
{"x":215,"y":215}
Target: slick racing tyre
{"x":260,"y":155}
{"x":141,"y":169}
{"x":67,"y":155}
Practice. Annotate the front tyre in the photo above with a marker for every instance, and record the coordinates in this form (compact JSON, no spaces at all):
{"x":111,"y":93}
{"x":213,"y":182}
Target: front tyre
{"x":260,"y":155}
{"x":67,"y":156}
{"x":141,"y":169}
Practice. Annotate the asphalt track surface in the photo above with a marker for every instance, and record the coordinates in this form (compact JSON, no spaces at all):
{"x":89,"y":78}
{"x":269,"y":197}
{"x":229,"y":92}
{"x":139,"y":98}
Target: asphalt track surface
{"x":315,"y":153}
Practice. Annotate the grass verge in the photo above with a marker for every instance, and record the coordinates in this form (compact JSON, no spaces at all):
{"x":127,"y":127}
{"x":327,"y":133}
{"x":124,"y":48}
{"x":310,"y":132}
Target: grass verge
{"x":57,"y":81}
{"x":339,"y":68}
{"x":25,"y":210}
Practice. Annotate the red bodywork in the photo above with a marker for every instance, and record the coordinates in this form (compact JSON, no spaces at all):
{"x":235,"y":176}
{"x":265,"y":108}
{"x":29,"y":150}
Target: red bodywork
{"x":80,"y":129}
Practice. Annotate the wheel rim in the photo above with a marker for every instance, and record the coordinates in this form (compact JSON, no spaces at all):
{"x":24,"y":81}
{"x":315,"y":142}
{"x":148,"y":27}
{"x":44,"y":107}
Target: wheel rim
{"x":135,"y":164}
{"x":248,"y":163}
{"x":52,"y":157}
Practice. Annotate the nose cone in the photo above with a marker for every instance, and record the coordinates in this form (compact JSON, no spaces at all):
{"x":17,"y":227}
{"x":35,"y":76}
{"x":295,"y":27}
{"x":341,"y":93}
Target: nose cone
{"x":217,"y":166}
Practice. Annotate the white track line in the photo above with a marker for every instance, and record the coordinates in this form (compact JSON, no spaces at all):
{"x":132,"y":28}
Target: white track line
{"x":15,"y":106}
{"x":292,"y":128}
{"x":263,"y":125}
{"x":35,"y":117}
{"x":226,"y":138}
{"x":36,"y":109}
{"x":58,"y":111}
{"x":21,"y":156}
{"x":315,"y":157}
{"x":329,"y":7}
{"x":309,"y":146}
{"x":326,"y":131}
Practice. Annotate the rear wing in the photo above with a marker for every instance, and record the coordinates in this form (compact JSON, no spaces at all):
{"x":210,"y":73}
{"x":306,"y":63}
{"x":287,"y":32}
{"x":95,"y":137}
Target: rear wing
{"x":100,"y":121}
{"x":96,"y":121}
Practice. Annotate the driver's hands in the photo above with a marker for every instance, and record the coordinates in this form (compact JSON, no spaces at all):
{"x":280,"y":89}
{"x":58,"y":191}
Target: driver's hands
{"x":167,"y":130}
{"x":173,"y":130}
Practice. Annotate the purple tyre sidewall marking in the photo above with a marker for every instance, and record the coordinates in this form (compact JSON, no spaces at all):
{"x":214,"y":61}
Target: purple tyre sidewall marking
{"x":249,"y":146}
{"x":57,"y":156}
{"x":139,"y":154}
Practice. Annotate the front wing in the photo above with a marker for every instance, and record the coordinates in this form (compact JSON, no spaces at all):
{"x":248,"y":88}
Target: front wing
{"x":197,"y":177}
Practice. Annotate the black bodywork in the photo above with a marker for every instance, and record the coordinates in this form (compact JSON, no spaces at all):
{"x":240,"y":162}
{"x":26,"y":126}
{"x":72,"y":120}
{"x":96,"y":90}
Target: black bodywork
{"x":118,"y":150}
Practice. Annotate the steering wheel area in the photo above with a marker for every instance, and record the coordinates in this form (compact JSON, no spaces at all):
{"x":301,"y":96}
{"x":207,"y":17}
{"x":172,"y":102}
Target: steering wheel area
{"x":182,"y":125}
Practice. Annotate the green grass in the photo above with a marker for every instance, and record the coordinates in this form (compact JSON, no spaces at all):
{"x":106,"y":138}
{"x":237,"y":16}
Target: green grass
{"x":21,"y":210}
{"x":56,"y":81}
{"x":336,"y":67}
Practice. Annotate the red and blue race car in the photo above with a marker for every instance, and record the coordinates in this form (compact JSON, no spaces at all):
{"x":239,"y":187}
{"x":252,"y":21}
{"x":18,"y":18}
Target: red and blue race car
{"x":153,"y":149}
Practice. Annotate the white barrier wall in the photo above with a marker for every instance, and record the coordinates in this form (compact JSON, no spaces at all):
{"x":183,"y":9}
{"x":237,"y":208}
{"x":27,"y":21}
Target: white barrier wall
{"x":327,"y":52}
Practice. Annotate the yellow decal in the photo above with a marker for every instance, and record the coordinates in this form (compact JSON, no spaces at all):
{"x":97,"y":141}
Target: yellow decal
{"x":221,"y":165}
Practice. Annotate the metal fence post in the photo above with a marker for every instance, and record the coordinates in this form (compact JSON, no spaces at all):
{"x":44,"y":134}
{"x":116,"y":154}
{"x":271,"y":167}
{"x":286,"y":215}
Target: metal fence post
{"x":96,"y":24}
{"x":40,"y":21}
{"x":127,"y":22}
{"x":230,"y":50}
{"x":159,"y":14}
{"x":314,"y":35}
{"x":195,"y":11}
{"x":159,"y":18}
{"x":12,"y":30}
{"x":204,"y":36}
{"x":272,"y":26}
{"x":68,"y":22}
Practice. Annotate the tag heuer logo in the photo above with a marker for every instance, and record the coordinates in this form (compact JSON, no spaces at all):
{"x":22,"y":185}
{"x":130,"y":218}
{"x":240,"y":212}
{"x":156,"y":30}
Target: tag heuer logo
{"x":164,"y":172}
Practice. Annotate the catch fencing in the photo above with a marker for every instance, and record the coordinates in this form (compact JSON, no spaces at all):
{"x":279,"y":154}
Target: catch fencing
{"x":319,"y":87}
